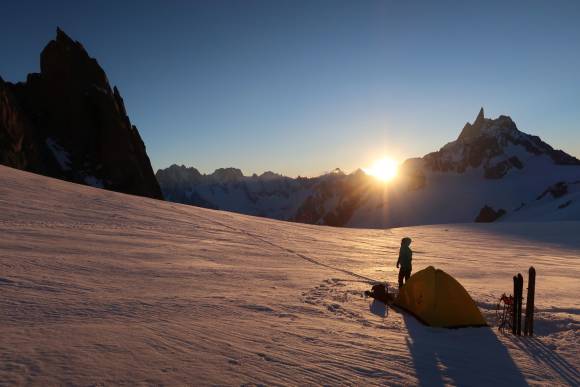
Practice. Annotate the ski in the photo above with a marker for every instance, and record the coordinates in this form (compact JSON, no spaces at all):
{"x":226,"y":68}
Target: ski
{"x":529,"y":319}
{"x":519,"y":310}
{"x":515,"y":306}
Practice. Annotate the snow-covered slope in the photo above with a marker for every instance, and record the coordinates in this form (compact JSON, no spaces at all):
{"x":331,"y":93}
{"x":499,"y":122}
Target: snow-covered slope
{"x":101,"y":288}
{"x":491,"y":169}
{"x":560,"y":201}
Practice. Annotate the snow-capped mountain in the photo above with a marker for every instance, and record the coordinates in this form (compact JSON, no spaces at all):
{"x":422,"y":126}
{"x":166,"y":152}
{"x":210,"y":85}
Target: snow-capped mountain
{"x":492,"y":171}
{"x":495,"y":145}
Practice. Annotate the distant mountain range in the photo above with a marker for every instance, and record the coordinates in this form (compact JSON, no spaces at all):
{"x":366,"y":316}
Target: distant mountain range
{"x":67,"y":122}
{"x":493,"y":171}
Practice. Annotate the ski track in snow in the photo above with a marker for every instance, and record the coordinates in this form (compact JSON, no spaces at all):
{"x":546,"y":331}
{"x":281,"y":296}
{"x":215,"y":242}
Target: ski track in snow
{"x":101,"y":288}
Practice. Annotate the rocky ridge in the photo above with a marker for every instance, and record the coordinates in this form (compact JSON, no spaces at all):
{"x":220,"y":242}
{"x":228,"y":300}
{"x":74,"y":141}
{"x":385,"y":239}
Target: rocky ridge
{"x":67,"y":122}
{"x":494,"y":145}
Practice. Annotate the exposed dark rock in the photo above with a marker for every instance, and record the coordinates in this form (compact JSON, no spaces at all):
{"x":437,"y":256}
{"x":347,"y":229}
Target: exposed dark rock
{"x":514,"y":161}
{"x":227,"y":174}
{"x":562,"y":158}
{"x":501,"y":169}
{"x":473,"y":130}
{"x":67,"y":122}
{"x":488,"y":215}
{"x":311,"y":210}
{"x":348,"y":192}
{"x":564,"y":205}
{"x":19,"y":145}
{"x":269,"y":175}
{"x":175,"y":182}
{"x":557,"y":190}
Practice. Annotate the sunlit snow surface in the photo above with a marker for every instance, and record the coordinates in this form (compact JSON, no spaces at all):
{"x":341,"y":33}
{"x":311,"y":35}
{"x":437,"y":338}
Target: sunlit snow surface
{"x":103,"y":288}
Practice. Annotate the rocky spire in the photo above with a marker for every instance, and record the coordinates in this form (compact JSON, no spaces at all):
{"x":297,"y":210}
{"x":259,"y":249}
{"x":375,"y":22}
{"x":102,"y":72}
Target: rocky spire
{"x":473,"y":130}
{"x":64,"y":59}
{"x":62,"y":37}
{"x":480,"y":117}
{"x":70,"y":109}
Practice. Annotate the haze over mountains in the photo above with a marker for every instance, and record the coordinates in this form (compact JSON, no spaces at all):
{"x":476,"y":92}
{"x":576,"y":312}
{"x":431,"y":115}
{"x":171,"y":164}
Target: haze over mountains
{"x":492,"y":171}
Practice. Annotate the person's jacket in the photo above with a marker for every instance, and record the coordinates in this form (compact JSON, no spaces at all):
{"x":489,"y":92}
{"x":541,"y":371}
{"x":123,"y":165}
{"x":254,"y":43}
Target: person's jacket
{"x":405,"y":258}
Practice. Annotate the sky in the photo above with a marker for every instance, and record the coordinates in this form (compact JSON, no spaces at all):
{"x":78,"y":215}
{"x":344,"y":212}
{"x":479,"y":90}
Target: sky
{"x":303,"y":87}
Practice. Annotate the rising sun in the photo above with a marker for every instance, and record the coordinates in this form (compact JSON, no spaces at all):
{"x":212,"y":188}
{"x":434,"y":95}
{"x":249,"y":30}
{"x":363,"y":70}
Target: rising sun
{"x":384,"y":169}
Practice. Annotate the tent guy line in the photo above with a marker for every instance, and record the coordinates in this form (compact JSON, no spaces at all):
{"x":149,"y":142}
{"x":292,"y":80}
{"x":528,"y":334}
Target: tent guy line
{"x":300,"y":255}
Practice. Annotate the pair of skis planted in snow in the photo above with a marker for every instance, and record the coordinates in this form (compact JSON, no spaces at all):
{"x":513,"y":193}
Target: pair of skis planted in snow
{"x":517,"y":306}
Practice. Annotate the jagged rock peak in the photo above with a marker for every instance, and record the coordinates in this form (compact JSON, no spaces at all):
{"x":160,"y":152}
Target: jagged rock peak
{"x":61,"y":36}
{"x":176,"y":174}
{"x":473,"y":130}
{"x":64,"y":59}
{"x":483,"y":125}
{"x":65,"y":45}
{"x":489,"y":143}
{"x":269,"y":175}
{"x":228,"y":174}
{"x":480,"y":117}
{"x":66,"y":122}
{"x":63,"y":40}
{"x":176,"y":167}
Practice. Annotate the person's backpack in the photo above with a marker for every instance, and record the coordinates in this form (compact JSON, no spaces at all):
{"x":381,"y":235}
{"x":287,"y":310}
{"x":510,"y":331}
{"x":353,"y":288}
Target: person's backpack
{"x":380,"y":291}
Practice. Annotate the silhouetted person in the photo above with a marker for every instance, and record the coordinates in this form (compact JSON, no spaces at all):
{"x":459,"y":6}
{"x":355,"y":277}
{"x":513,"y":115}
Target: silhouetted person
{"x":404,"y":261}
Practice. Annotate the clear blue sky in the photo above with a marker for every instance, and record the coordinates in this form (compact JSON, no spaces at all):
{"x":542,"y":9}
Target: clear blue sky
{"x":304,"y":87}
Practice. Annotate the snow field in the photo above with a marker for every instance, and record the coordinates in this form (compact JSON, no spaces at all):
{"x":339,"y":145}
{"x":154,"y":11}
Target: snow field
{"x":100,"y":288}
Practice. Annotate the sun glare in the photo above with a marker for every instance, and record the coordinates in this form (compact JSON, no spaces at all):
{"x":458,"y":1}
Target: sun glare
{"x":383,"y":169}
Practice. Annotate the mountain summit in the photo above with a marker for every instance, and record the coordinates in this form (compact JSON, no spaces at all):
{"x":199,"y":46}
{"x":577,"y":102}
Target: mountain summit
{"x":67,"y":122}
{"x":495,"y":145}
{"x":473,"y":130}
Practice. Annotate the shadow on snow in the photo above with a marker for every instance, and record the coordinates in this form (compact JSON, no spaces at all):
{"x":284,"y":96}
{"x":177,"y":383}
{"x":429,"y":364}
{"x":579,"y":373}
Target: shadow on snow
{"x":549,"y":359}
{"x":379,"y":308}
{"x":469,"y":356}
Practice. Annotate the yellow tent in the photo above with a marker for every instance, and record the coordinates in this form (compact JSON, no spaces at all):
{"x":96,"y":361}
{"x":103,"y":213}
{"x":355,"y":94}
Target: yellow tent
{"x":438,"y":300}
